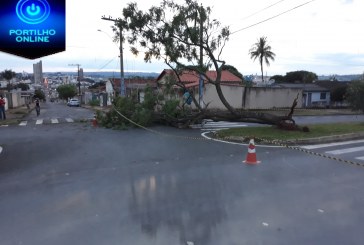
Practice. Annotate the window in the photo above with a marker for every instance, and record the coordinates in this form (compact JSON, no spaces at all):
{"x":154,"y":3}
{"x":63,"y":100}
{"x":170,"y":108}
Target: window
{"x":323,"y":96}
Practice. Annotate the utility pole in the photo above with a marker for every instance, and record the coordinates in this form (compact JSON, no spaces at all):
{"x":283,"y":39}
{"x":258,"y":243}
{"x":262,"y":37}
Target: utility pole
{"x":200,"y":97}
{"x":122,"y":79}
{"x":78,"y":78}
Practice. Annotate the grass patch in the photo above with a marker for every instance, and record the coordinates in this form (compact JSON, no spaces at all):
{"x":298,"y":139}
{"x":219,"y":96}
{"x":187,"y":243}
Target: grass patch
{"x":309,"y":112}
{"x":273,"y":133}
{"x":9,"y":121}
{"x":20,"y":112}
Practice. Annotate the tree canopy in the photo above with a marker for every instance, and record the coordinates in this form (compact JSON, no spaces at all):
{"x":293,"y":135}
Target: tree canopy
{"x":234,"y":71}
{"x":23,"y":86}
{"x":184,"y":36}
{"x":296,"y":77}
{"x":300,"y":77}
{"x":8,"y":75}
{"x":338,"y":93}
{"x":355,"y":95}
{"x":67,"y":91}
{"x":39,"y":94}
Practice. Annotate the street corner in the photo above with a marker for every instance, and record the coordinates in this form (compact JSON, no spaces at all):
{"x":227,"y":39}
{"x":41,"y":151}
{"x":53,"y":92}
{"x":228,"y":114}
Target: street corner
{"x":17,"y":113}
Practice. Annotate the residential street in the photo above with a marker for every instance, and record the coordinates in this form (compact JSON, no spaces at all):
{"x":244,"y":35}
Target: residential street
{"x":70,"y":183}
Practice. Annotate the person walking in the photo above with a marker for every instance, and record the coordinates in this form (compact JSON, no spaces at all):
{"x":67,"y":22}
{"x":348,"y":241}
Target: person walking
{"x":37,"y":106}
{"x":2,"y":107}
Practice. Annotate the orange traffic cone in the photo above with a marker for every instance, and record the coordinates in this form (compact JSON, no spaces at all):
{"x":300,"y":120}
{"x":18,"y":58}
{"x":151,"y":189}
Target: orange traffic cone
{"x":251,"y":158}
{"x":94,"y":122}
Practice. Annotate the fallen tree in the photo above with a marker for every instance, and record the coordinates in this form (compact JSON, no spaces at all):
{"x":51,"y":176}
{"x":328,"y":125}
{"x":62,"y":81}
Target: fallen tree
{"x":184,"y":36}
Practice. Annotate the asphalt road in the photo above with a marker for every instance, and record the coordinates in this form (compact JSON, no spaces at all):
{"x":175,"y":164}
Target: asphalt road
{"x":75,"y":184}
{"x":52,"y":110}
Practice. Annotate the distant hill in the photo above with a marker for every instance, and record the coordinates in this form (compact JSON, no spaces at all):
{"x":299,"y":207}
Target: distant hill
{"x":341,"y":77}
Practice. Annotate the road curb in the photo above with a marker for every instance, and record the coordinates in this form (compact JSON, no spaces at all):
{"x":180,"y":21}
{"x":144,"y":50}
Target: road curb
{"x":309,"y":141}
{"x":327,"y":139}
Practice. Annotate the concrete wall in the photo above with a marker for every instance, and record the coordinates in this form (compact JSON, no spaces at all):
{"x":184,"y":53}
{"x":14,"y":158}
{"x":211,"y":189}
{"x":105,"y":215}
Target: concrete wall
{"x":265,"y":97}
{"x":14,"y":99}
{"x":233,"y":95}
{"x":255,"y":97}
{"x":6,"y":104}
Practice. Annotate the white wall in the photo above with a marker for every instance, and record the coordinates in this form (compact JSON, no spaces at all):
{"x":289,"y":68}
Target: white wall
{"x":266,"y":97}
{"x":256,"y":97}
{"x":233,"y":95}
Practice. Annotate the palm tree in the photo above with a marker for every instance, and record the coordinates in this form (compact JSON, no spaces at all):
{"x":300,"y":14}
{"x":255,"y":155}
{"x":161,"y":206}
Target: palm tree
{"x":8,"y":75}
{"x":262,"y":51}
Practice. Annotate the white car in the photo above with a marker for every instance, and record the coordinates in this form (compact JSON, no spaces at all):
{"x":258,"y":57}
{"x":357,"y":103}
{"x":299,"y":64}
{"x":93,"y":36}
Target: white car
{"x":73,"y":102}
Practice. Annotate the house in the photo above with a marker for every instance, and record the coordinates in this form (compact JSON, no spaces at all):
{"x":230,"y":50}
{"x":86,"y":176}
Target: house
{"x":313,"y":95}
{"x":135,"y":85}
{"x":191,"y":80}
{"x":337,"y":90}
{"x":236,"y":94}
{"x":257,"y":80}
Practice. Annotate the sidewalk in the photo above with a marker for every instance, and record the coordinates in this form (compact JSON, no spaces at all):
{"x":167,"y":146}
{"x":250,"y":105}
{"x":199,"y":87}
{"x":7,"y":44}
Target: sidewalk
{"x":15,"y":115}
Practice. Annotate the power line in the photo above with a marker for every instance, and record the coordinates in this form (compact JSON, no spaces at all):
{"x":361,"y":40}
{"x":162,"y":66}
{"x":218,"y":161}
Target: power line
{"x":262,"y":10}
{"x":301,"y":5}
{"x":107,"y":63}
{"x":259,"y":11}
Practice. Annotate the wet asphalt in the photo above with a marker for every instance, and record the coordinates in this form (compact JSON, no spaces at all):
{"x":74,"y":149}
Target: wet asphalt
{"x":76,"y":184}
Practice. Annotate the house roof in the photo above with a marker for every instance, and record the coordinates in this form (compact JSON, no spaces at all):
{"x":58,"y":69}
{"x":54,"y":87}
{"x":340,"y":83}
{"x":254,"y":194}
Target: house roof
{"x":305,"y":87}
{"x":332,"y":84}
{"x":191,"y":78}
{"x":133,"y":82}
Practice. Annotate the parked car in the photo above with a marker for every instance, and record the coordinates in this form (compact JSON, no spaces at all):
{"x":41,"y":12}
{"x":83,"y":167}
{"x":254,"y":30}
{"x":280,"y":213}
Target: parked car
{"x":73,"y":102}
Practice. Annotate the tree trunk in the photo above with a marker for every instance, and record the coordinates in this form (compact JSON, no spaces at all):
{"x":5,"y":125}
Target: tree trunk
{"x":223,"y":100}
{"x":261,"y":68}
{"x":284,"y":122}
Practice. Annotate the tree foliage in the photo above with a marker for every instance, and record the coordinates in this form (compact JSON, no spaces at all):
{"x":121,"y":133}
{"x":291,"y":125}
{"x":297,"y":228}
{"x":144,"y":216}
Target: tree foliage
{"x":234,"y":71}
{"x":278,"y":78}
{"x":185,"y":37}
{"x":263,"y":52}
{"x":300,"y":77}
{"x":140,"y":113}
{"x":296,"y":77}
{"x":355,"y":95}
{"x":67,"y":91}
{"x":39,"y":94}
{"x":23,"y":86}
{"x":338,"y":93}
{"x":177,"y":34}
{"x":8,"y":75}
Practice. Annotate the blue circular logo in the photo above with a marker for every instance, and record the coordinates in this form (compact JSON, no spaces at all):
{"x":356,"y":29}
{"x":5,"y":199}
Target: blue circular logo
{"x":33,"y":11}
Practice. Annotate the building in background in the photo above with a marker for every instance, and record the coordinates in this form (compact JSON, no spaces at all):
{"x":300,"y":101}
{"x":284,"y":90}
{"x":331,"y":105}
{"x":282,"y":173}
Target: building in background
{"x":81,"y":74}
{"x":38,"y":73}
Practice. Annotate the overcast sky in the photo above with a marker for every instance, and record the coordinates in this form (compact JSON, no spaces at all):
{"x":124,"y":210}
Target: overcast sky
{"x":323,"y":36}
